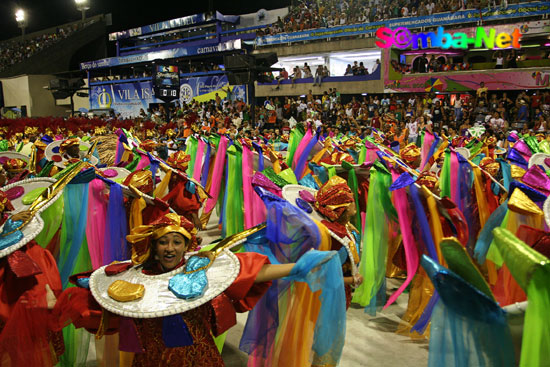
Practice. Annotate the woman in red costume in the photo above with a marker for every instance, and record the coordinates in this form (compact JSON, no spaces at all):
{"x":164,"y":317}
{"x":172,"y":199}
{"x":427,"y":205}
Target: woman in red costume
{"x":29,"y":281}
{"x":183,"y":339}
{"x":335,"y":201}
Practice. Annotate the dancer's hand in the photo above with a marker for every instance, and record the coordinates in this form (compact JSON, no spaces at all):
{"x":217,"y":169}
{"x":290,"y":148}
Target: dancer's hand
{"x":50,"y":297}
{"x":23,"y":216}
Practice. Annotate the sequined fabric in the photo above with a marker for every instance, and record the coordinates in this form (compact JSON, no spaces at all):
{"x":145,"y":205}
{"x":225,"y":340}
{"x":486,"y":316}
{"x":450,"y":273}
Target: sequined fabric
{"x":203,"y":352}
{"x":333,"y":198}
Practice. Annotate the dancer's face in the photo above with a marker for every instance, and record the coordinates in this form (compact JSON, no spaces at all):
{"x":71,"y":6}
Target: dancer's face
{"x":170,"y":249}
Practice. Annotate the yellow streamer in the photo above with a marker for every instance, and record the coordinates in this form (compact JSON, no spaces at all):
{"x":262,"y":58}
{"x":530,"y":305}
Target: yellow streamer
{"x":482,"y":205}
{"x":162,"y":188}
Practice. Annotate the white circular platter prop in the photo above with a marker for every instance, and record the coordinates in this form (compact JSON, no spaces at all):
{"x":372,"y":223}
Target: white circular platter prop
{"x":52,"y":153}
{"x":158,"y":300}
{"x":29,"y":186}
{"x":14,"y":155}
{"x":540,"y":159}
{"x":30,"y":231}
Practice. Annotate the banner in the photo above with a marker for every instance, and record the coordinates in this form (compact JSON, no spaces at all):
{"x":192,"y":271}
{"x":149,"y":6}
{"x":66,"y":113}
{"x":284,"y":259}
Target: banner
{"x":124,"y":98}
{"x":157,"y":27}
{"x":172,"y":24}
{"x":508,"y":79}
{"x":204,"y":88}
{"x":163,"y":54}
{"x":128,"y":98}
{"x":443,"y":19}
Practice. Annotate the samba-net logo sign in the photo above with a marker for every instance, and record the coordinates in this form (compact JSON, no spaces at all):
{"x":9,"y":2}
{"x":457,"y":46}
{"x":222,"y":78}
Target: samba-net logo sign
{"x":403,"y":38}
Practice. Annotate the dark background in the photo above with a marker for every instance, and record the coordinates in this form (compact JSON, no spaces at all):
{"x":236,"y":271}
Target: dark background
{"x":127,"y":14}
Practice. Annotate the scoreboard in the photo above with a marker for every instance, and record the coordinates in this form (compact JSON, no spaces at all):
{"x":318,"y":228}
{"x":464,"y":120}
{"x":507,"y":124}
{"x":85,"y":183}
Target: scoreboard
{"x":166,"y":82}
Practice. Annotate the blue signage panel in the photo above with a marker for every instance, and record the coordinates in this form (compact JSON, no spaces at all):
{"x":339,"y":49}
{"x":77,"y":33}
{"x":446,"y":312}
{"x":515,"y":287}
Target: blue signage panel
{"x":128,"y":98}
{"x":124,"y":98}
{"x":160,"y":26}
{"x":163,"y":54}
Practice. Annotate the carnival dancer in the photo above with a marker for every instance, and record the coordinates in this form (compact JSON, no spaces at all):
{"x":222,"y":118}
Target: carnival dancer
{"x":335,"y":202}
{"x":170,"y":316}
{"x":29,"y":281}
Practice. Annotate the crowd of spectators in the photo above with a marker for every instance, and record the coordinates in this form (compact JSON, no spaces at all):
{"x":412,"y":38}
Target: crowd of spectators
{"x":497,"y":111}
{"x":309,"y":14}
{"x":401,"y":116}
{"x":17,"y":50}
{"x":321,"y":72}
{"x":434,"y":63}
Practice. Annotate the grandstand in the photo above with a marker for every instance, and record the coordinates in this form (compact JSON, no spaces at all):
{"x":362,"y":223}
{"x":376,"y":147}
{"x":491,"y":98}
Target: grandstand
{"x":28,"y":64}
{"x":54,"y":50}
{"x":197,"y":43}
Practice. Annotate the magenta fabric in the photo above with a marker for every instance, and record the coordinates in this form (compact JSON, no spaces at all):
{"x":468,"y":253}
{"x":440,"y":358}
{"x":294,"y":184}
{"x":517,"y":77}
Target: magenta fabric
{"x":247,"y":187}
{"x":455,"y":185}
{"x":537,"y":178}
{"x":199,"y":160}
{"x":301,"y":147}
{"x":217,"y":175}
{"x":426,"y":146}
{"x":371,"y":155}
{"x":143,"y":162}
{"x":97,"y":214}
{"x":254,"y":209}
{"x":110,"y":173}
{"x":400,"y":202}
{"x":523,"y":148}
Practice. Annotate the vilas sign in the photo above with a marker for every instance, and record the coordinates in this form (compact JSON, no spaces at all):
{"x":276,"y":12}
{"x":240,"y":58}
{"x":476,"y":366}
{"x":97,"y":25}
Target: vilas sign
{"x":403,"y":38}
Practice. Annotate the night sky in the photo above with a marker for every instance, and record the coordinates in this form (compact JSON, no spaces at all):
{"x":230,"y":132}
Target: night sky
{"x":126,"y":13}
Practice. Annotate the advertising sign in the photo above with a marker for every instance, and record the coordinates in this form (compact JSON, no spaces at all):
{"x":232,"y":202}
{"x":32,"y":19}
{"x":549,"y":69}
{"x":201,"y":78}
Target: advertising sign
{"x":166,"y":82}
{"x":128,"y":98}
{"x":469,"y":81}
{"x":164,"y":54}
{"x":204,"y":88}
{"x":124,"y":98}
{"x":157,"y":27}
{"x":403,"y":38}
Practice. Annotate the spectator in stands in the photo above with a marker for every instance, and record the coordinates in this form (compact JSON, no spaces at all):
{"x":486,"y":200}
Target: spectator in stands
{"x":307,"y":14}
{"x":376,"y":66}
{"x":283,"y":75}
{"x":362,"y":69}
{"x":296,"y":75}
{"x":523,"y":112}
{"x":458,"y":109}
{"x":482,"y":89}
{"x":499,"y":59}
{"x":541,"y":124}
{"x":497,"y":123}
{"x":422,"y":64}
{"x":307,"y":71}
{"x":349,"y":70}
{"x":318,"y":75}
{"x":511,"y":60}
{"x":433,"y":65}
{"x":355,"y":68}
{"x":16,"y":51}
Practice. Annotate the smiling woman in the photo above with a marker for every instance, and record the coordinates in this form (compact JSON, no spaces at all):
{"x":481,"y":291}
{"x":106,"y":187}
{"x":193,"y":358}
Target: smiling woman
{"x":169,"y":250}
{"x":172,"y":299}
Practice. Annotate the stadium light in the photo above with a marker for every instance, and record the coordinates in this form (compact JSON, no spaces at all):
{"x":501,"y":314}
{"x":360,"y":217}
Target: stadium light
{"x":21,"y":19}
{"x":82,"y":6}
